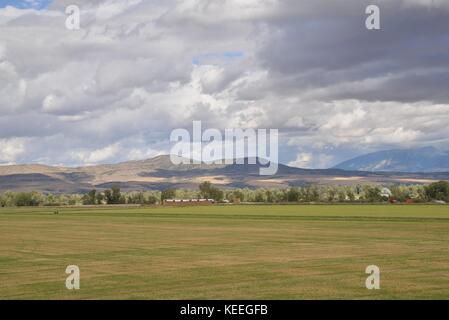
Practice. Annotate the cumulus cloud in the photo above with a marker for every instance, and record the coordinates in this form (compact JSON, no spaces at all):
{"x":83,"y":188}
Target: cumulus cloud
{"x":113,"y":90}
{"x":11,"y":149}
{"x":96,"y":156}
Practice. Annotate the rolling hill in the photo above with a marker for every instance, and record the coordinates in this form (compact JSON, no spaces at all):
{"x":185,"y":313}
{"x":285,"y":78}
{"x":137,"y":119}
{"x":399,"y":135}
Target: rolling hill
{"x":159,"y":173}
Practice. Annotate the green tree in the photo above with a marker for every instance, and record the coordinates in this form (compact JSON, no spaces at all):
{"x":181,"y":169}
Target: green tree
{"x":208,"y":191}
{"x":372,"y":194}
{"x":351,"y":195}
{"x":341,"y":195}
{"x":237,"y":196}
{"x":108,"y":196}
{"x":151,"y":199}
{"x":27,"y":199}
{"x":168,"y":194}
{"x":99,"y":198}
{"x":260,"y":196}
{"x":269,"y":196}
{"x":90,"y":197}
{"x":331,"y":193}
{"x":293,"y":194}
{"x":116,"y":195}
{"x":438,"y":191}
{"x":309,"y":194}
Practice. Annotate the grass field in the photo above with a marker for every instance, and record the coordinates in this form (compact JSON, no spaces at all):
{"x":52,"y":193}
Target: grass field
{"x":226,"y":252}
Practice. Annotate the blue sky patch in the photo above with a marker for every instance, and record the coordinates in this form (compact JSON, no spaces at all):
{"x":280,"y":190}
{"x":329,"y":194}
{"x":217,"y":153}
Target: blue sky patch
{"x":26,"y":4}
{"x":215,"y":57}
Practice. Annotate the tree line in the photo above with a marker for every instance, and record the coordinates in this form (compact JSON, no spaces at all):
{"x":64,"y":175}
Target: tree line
{"x":306,"y":194}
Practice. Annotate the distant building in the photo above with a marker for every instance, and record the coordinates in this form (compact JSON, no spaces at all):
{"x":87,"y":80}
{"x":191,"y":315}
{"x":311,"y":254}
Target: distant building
{"x":178,"y":202}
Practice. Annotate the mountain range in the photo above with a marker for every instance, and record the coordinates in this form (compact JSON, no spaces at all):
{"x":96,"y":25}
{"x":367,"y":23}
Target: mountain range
{"x":427,"y":159}
{"x":159,"y":173}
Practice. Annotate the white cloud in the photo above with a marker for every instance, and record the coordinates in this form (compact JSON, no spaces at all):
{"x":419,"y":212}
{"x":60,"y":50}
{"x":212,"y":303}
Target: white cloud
{"x":12,"y":87}
{"x":303,"y":160}
{"x":309,"y":160}
{"x":219,"y":11}
{"x":427,"y":3}
{"x":11,"y":149}
{"x":112,"y":8}
{"x":96,"y":156}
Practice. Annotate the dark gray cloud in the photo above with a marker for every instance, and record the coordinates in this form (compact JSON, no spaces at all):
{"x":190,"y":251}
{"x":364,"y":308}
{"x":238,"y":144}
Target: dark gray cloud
{"x":407,"y":60}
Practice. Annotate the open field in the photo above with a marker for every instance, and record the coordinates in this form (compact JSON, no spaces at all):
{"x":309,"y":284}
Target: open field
{"x":226,"y":252}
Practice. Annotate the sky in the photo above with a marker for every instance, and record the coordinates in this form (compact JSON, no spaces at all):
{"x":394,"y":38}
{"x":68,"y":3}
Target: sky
{"x":115,"y":89}
{"x":26,"y":4}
